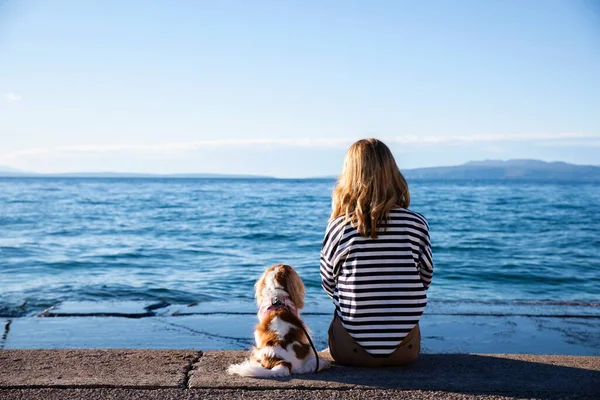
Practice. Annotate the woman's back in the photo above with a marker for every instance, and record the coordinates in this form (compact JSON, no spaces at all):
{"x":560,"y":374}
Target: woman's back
{"x":378,"y":285}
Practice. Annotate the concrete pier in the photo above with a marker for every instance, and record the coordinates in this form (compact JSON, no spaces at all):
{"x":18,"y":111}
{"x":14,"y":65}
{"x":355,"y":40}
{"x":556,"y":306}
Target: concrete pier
{"x":180,"y":374}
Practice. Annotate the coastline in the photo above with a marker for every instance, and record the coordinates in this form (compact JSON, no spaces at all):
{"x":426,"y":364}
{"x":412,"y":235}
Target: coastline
{"x":446,"y":327}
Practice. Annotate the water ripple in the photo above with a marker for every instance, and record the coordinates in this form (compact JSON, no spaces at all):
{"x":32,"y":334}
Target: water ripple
{"x":198,"y":240}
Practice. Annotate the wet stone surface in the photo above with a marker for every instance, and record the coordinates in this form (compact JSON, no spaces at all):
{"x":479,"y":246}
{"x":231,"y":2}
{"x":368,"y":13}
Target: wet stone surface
{"x":237,"y":307}
{"x":104,"y":332}
{"x":125,"y":309}
{"x":440,"y":334}
{"x":230,"y":325}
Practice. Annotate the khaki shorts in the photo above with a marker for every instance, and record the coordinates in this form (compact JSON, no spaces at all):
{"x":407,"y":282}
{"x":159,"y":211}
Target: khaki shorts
{"x":345,"y":351}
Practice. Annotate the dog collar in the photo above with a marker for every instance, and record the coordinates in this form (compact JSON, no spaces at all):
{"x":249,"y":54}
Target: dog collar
{"x":278,"y":303}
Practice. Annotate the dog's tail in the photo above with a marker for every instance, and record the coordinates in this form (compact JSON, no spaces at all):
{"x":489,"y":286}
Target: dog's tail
{"x":254,"y":369}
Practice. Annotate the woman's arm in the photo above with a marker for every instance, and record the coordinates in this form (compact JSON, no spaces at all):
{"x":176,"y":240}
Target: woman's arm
{"x":328,"y":281}
{"x":329,"y":252}
{"x":425,"y":265}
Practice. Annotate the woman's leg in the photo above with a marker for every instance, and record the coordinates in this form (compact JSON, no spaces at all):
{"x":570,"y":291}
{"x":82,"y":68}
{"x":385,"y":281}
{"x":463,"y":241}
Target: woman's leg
{"x":408,"y":350}
{"x":344,"y":349}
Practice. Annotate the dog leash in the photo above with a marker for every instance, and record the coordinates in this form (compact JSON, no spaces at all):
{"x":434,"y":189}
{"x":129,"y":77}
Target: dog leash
{"x":311,"y":345}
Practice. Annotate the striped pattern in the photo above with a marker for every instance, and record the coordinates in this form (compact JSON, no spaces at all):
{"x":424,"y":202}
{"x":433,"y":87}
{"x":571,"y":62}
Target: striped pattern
{"x":378,"y":285}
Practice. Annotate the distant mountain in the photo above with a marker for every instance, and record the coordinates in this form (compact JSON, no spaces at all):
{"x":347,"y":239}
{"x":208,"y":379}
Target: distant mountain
{"x":473,"y":170}
{"x":509,"y":170}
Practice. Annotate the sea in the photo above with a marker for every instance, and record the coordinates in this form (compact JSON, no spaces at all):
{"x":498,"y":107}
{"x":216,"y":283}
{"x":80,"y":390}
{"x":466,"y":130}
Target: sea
{"x":499,"y":247}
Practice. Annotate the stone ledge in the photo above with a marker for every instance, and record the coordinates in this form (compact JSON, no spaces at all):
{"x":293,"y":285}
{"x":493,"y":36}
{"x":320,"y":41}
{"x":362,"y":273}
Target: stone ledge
{"x":274,"y":394}
{"x":464,"y":373}
{"x":141,"y":373}
{"x":95,"y":368}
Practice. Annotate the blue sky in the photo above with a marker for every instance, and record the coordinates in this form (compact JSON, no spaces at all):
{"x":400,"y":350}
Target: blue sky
{"x":282,"y":88}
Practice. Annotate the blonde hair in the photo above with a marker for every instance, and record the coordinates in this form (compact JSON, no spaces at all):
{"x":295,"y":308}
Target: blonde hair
{"x":369,"y":187}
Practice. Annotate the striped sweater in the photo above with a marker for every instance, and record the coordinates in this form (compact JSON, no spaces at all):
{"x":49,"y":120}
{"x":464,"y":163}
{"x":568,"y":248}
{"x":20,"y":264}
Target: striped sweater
{"x":378,"y":285}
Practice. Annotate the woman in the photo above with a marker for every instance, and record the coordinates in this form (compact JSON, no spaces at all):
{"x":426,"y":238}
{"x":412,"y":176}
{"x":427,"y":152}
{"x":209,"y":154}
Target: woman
{"x":375,"y":262}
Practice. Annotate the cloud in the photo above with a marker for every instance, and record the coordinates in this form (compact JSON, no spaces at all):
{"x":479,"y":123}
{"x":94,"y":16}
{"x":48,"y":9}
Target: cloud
{"x":167,"y":148}
{"x":574,"y":143}
{"x":12,"y":97}
{"x":175,"y":147}
{"x":493,"y":138}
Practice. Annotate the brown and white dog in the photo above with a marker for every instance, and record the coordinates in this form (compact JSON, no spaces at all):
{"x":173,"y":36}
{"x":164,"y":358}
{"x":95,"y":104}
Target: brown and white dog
{"x":282,"y":346}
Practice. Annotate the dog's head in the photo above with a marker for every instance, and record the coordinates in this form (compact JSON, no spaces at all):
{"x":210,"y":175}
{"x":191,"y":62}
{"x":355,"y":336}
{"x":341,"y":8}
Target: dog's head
{"x":279,"y":280}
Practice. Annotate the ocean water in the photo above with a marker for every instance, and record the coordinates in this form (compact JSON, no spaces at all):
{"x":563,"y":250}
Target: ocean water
{"x":179,"y":241}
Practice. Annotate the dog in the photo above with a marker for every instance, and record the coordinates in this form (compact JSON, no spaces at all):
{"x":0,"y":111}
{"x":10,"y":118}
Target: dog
{"x":283,"y":346}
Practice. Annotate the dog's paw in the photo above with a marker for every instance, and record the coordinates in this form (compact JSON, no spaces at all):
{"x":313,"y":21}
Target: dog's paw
{"x":239,"y":369}
{"x":280,"y":371}
{"x":253,"y":369}
{"x":324,"y":364}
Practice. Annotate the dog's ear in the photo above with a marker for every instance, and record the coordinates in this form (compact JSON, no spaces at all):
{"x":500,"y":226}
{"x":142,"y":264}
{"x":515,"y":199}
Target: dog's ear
{"x":294,"y":286}
{"x":259,"y":286}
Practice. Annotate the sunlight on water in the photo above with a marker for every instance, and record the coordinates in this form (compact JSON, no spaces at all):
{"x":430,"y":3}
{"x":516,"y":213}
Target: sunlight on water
{"x":184,"y":241}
